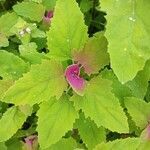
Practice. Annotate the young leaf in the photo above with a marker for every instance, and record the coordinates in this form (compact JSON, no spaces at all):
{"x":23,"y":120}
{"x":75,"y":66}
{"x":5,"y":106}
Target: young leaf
{"x":11,"y":121}
{"x":89,"y":132}
{"x":11,"y":66}
{"x":94,"y":56}
{"x":30,"y":10}
{"x":139,"y":111}
{"x":102,"y":106}
{"x":66,"y":144}
{"x":42,"y":82}
{"x":128,"y":143}
{"x":6,"y":23}
{"x":58,"y":117}
{"x":127,"y":23}
{"x":67,"y":31}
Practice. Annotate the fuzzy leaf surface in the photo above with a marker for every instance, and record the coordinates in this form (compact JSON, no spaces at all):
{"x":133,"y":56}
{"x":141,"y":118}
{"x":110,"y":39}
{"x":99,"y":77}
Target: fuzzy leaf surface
{"x":55,"y":119}
{"x":39,"y":84}
{"x":67,"y":31}
{"x":100,"y":104}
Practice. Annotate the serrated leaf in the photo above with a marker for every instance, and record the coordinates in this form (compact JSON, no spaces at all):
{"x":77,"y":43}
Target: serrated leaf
{"x":29,"y":53}
{"x":11,"y":66}
{"x":6,"y":23}
{"x":139,"y":84}
{"x":58,"y":117}
{"x":102,"y":106}
{"x":120,"y":90}
{"x":4,"y":86}
{"x":30,"y":10}
{"x":42,"y":82}
{"x":139,"y":111}
{"x":12,"y":119}
{"x":126,"y":144}
{"x":66,"y":144}
{"x":89,"y":132}
{"x":128,"y":56}
{"x":94,"y":56}
{"x":68,"y":21}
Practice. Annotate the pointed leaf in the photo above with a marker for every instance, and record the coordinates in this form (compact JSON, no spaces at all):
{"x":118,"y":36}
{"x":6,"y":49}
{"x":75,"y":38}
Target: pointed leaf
{"x":102,"y":106}
{"x":139,"y":84}
{"x":55,"y":119}
{"x":42,"y":82}
{"x":30,"y":10}
{"x":94,"y":56}
{"x":89,"y":132}
{"x":132,"y":30}
{"x":12,"y":119}
{"x":67,"y":31}
{"x":11,"y":66}
{"x":139,"y":111}
{"x":128,"y":143}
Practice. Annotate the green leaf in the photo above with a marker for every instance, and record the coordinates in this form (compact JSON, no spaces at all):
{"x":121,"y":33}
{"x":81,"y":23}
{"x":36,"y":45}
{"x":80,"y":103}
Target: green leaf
{"x":3,"y":146}
{"x":3,"y":41}
{"x":42,"y":82}
{"x":6,"y":23}
{"x":120,"y":90}
{"x":139,"y":84}
{"x":29,"y":53}
{"x":102,"y":106}
{"x":30,"y":10}
{"x":126,"y":144}
{"x":128,"y":36}
{"x":67,"y":31}
{"x":4,"y":86}
{"x":10,"y":122}
{"x":89,"y":132}
{"x":94,"y":56}
{"x":139,"y":110}
{"x":86,"y":5}
{"x":49,"y":4}
{"x":55,"y":119}
{"x":14,"y":144}
{"x":66,"y":144}
{"x":11,"y":66}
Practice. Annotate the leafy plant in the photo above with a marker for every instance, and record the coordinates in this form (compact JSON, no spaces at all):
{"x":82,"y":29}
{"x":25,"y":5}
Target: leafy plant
{"x":74,"y":75}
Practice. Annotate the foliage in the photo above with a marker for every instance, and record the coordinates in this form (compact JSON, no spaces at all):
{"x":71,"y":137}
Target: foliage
{"x":74,"y":74}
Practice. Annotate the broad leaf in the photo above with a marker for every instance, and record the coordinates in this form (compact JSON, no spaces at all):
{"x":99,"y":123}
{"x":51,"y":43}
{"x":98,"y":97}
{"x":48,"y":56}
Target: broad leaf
{"x":55,"y":119}
{"x":139,"y":111}
{"x":127,"y":144}
{"x":102,"y":106}
{"x":6,"y":23}
{"x":128,"y":36}
{"x":89,"y":132}
{"x":94,"y":56}
{"x":66,"y":144}
{"x":29,"y":53}
{"x":11,"y":121}
{"x":3,"y":146}
{"x":11,"y":66}
{"x":30,"y":10}
{"x":67,"y":31}
{"x":42,"y":82}
{"x":140,"y":83}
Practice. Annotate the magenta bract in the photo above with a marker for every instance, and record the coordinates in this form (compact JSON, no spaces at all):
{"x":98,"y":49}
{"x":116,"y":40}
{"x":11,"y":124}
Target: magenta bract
{"x":75,"y":81}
